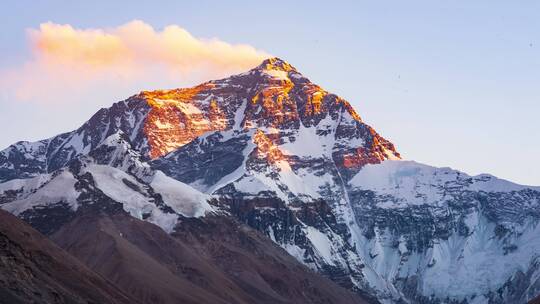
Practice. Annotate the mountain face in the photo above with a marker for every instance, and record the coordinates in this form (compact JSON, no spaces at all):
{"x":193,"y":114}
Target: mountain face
{"x":271,"y":97}
{"x":139,"y":259}
{"x":274,"y":151}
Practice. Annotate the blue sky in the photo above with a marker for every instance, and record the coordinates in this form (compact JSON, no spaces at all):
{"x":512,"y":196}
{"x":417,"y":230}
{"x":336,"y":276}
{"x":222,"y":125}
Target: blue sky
{"x":451,"y":83}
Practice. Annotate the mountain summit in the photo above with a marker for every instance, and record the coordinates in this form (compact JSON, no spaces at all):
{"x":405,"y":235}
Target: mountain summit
{"x":270,"y":150}
{"x":276,"y":64}
{"x":272,"y":97}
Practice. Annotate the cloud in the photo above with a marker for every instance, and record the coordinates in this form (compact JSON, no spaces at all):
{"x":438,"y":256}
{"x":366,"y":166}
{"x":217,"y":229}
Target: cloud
{"x":68,"y":63}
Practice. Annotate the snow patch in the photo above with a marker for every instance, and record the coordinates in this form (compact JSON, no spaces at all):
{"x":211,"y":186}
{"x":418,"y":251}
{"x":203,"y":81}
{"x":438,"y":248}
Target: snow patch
{"x":307,"y":143}
{"x":321,"y":243}
{"x":181,"y":197}
{"x":412,"y":183}
{"x":61,"y":188}
{"x":277,"y":74}
{"x":110,"y":181}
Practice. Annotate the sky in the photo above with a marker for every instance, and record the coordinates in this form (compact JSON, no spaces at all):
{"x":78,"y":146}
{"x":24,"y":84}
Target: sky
{"x":450,"y":83}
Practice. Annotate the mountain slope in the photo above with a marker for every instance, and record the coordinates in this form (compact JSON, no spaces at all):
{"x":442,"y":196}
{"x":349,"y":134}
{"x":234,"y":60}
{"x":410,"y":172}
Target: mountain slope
{"x":437,"y":232}
{"x":34,"y":270}
{"x":209,"y":260}
{"x":95,"y":212}
{"x":274,"y":151}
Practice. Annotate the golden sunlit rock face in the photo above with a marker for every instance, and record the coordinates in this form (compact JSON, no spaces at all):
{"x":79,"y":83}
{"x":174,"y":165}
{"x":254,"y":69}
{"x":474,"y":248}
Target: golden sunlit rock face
{"x":266,"y":149}
{"x":362,"y":156}
{"x":277,"y":64}
{"x":175,"y":118}
{"x":273,"y":99}
{"x":375,"y":150}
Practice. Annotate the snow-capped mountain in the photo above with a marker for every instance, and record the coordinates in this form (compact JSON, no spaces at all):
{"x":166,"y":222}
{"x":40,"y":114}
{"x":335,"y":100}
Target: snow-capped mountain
{"x":437,"y":233}
{"x":279,"y":153}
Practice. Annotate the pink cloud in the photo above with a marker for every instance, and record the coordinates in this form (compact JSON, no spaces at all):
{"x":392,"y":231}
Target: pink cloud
{"x":68,"y":63}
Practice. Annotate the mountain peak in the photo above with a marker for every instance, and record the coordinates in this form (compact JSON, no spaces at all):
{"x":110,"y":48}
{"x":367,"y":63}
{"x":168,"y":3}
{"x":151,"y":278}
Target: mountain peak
{"x":272,"y":96}
{"x":275,"y":64}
